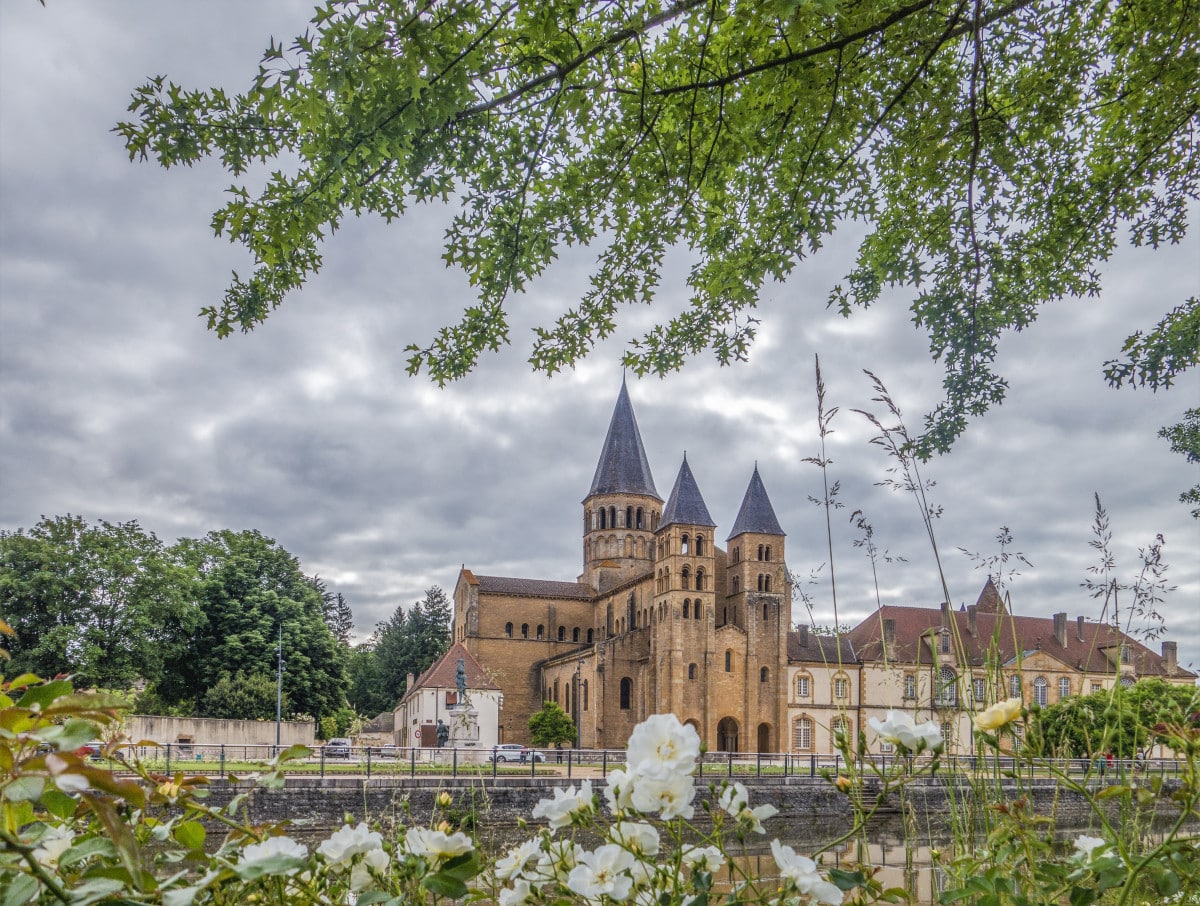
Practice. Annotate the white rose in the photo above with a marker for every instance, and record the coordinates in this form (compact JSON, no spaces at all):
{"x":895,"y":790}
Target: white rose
{"x":55,"y":842}
{"x":602,"y":873}
{"x":514,"y":861}
{"x":735,"y":800}
{"x":1084,"y":846}
{"x":901,"y":730}
{"x":568,"y":802}
{"x":670,"y":795}
{"x":517,"y":894}
{"x":272,"y":847}
{"x":436,"y":845}
{"x":703,"y":858}
{"x":661,"y":745}
{"x":802,"y":871}
{"x":360,"y":874}
{"x":636,"y":836}
{"x":619,"y":790}
{"x":348,"y":842}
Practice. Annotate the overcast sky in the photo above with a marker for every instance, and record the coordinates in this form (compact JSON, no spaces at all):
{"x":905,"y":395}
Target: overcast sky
{"x":117,"y":404}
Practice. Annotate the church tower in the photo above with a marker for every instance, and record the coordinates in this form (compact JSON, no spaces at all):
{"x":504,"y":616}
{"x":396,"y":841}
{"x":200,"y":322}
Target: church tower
{"x":622,"y":508}
{"x":759,"y":603}
{"x":681,"y":618}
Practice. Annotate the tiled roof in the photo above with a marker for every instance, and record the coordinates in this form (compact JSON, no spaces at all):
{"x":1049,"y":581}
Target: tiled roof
{"x":623,"y":467}
{"x":1088,"y":647}
{"x":685,"y":506}
{"x":534,"y":588}
{"x":756,"y":515}
{"x":808,"y":647}
{"x":443,"y":674}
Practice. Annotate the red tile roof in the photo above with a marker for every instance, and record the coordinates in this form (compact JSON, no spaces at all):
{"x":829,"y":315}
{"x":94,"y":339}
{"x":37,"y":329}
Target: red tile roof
{"x":534,"y":588}
{"x":443,"y":673}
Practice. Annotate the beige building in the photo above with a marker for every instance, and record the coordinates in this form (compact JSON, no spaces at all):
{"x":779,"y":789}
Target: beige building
{"x":944,"y":665}
{"x":433,"y":699}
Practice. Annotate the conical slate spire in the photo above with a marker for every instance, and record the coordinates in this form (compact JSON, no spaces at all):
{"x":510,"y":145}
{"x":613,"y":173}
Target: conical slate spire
{"x":756,"y":515}
{"x":623,"y":467}
{"x":685,"y":506}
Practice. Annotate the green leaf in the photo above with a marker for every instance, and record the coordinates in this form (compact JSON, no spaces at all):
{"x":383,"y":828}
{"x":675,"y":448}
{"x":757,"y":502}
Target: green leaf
{"x":847,"y":880}
{"x":26,"y":788}
{"x":444,"y":885}
{"x":18,"y":890}
{"x":59,"y":803}
{"x":38,"y":698}
{"x":190,"y":834}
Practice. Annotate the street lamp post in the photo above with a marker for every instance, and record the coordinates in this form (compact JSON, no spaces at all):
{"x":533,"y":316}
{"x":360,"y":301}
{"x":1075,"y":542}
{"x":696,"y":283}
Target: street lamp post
{"x":575,"y":702}
{"x":279,"y":688}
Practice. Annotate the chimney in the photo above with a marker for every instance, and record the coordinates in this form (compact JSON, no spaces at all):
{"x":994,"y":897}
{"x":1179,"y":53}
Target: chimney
{"x":1079,"y":628}
{"x":972,"y":613}
{"x":1170,"y":653}
{"x":803,"y":636}
{"x":945,"y":613}
{"x":408,"y":683}
{"x":889,"y":638}
{"x":1060,"y":629}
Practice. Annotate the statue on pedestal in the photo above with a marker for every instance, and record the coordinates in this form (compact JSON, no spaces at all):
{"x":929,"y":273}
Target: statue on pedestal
{"x":443,"y":734}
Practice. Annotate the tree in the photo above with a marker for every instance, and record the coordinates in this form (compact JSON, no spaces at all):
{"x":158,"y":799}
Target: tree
{"x":1185,"y":439}
{"x":366,"y":693}
{"x":335,"y":609}
{"x":409,"y":642}
{"x":242,"y":697}
{"x":551,"y":726}
{"x":995,"y":150}
{"x":105,"y":602}
{"x":249,"y":588}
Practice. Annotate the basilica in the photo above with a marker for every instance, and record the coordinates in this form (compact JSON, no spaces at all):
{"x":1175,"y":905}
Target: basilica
{"x":665,"y":619}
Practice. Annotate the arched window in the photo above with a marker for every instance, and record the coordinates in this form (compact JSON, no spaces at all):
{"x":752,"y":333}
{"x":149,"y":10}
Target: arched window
{"x":803,"y":686}
{"x":737,"y":585}
{"x":524,"y":630}
{"x":764,"y":613}
{"x":626,"y":692}
{"x":760,"y":552}
{"x":737,"y":554}
{"x":724,"y":615}
{"x":766,"y":583}
{"x":556,"y":690}
{"x":760,"y":581}
{"x":802,"y":736}
{"x":603,"y":518}
{"x":683,"y":544}
{"x":590,"y":636}
{"x":696,"y":610}
{"x":699,"y":545}
{"x":687,"y":608}
{"x":583,"y":686}
{"x":1064,"y":688}
{"x":508,"y":627}
{"x":541,"y":631}
{"x":700,"y":579}
{"x":947,"y":688}
{"x":685,"y":578}
{"x":567,"y":698}
{"x":639,"y":517}
{"x":764,"y":675}
{"x":612,"y":517}
{"x":575,"y":635}
{"x":768,"y":556}
{"x":1039,"y":690}
{"x":628,"y":517}
{"x":562,"y":633}
{"x":728,"y":661}
{"x":691,"y":671}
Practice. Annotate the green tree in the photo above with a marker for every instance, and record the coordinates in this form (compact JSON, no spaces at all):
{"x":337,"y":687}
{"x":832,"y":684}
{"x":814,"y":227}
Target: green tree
{"x":551,"y":726}
{"x":366,"y":693}
{"x":1185,"y":439}
{"x":409,"y":642}
{"x":105,"y":602}
{"x":249,"y":588}
{"x":997,"y":151}
{"x":336,"y":611}
{"x":242,"y":697}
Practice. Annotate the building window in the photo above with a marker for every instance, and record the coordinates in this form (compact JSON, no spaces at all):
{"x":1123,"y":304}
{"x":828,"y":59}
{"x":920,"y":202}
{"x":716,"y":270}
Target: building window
{"x":760,"y":581}
{"x":686,"y":579}
{"x":764,"y":675}
{"x":980,"y":689}
{"x":575,"y":635}
{"x":696,"y":610}
{"x":1014,"y":686}
{"x":841,"y":688}
{"x":626,"y":692}
{"x":803,"y":689}
{"x":590,"y":636}
{"x":737,"y":585}
{"x":948,"y":733}
{"x":910,"y":685}
{"x":562,"y":633}
{"x":947,"y":688}
{"x":737,"y":554}
{"x":764,"y":613}
{"x":687,"y":608}
{"x":767,"y":584}
{"x":699,"y":545}
{"x":1126,"y":681}
{"x":700,"y":579}
{"x":508,"y":629}
{"x":886,"y":748}
{"x":1125,"y":658}
{"x":691,"y":671}
{"x":768,"y":556}
{"x":1064,"y":688}
{"x":524,"y":630}
{"x":802,"y":734}
{"x":583,"y":686}
{"x":541,"y":631}
{"x":760,"y":552}
{"x":945,"y":642}
{"x":639,"y":517}
{"x":728,"y":661}
{"x":1096,"y":687}
{"x":840,"y":727}
{"x":684,"y":545}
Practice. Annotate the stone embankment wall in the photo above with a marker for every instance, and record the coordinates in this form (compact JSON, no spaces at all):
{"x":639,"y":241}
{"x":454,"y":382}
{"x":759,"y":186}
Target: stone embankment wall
{"x":493,"y":807}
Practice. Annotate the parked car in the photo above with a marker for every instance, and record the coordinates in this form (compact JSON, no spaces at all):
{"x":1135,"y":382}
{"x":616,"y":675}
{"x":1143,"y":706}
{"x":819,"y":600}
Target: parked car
{"x":509,"y":751}
{"x":532,"y":755}
{"x":383,"y":751}
{"x":337,"y":748}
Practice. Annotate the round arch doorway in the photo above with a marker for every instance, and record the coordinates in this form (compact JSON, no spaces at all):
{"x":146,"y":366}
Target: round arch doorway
{"x":764,"y":737}
{"x":727,"y":735}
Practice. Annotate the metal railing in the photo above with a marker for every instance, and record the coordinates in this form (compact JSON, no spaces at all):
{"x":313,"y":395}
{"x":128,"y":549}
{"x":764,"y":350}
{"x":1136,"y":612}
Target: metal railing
{"x":412,"y":762}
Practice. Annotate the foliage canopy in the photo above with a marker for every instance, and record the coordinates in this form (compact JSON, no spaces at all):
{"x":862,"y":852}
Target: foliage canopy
{"x":996,"y":151}
{"x":551,"y":726}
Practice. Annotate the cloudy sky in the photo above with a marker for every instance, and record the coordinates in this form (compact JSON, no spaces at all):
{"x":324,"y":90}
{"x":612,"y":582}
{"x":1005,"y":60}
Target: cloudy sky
{"x":117,"y":404}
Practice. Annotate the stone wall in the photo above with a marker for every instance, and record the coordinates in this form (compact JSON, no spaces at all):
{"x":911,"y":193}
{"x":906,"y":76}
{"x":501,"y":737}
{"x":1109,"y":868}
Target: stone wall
{"x":205,"y":731}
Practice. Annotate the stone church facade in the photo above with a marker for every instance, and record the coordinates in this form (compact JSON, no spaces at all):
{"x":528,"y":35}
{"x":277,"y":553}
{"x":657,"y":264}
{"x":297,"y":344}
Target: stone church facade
{"x":662,"y":618}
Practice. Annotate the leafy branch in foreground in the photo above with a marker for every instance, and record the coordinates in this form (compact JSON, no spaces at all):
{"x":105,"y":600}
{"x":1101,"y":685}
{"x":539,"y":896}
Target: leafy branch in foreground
{"x":997,"y":150}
